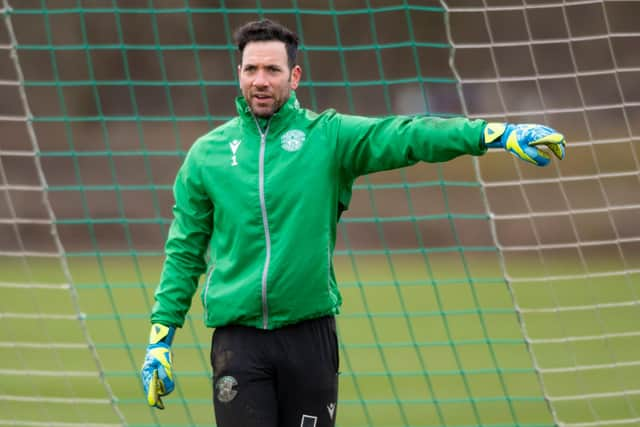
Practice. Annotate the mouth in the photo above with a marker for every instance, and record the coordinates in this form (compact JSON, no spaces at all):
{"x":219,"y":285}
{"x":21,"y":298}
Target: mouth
{"x":261,"y":97}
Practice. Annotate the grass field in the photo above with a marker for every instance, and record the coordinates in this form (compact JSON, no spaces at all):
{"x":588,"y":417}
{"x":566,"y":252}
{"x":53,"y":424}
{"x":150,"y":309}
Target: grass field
{"x":422,"y":345}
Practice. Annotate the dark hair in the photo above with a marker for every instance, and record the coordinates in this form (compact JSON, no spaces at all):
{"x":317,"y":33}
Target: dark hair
{"x":267,"y":30}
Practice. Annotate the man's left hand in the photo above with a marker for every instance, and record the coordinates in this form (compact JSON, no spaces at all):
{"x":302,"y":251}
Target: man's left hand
{"x":525,"y":141}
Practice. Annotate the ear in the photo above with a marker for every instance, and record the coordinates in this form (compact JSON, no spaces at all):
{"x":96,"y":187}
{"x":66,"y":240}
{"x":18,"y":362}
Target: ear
{"x":296,"y":73}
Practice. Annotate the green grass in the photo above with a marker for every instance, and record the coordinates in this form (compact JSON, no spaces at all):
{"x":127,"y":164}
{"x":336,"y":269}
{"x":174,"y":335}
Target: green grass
{"x":422,"y":344}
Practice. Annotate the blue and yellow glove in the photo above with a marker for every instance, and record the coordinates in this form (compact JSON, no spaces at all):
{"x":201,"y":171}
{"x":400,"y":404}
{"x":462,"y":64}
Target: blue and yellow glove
{"x":157,"y":376}
{"x":525,"y":141}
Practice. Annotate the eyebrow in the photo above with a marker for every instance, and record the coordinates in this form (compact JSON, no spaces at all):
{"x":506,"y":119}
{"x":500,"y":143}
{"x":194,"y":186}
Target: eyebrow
{"x":268,"y":66}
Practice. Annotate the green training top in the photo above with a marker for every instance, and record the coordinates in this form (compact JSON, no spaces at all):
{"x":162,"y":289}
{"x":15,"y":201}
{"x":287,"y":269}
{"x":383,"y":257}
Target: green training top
{"x":265,"y":197}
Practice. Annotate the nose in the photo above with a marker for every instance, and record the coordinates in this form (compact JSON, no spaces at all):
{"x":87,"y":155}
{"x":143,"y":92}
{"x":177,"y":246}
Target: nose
{"x":260,"y":79}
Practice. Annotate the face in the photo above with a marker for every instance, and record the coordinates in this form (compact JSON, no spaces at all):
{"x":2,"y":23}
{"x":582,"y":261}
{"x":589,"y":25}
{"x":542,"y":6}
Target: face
{"x":265,"y":77}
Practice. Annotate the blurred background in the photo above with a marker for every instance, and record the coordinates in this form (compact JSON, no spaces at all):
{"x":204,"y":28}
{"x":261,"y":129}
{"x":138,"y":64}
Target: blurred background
{"x":154,"y":79}
{"x":100,"y":100}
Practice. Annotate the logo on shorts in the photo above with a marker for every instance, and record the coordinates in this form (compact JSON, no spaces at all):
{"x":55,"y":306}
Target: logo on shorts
{"x":331,"y":408}
{"x":292,"y":140}
{"x":226,"y":389}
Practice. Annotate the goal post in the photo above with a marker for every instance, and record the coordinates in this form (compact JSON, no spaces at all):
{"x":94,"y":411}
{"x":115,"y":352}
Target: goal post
{"x":476,"y":292}
{"x":572,"y":265}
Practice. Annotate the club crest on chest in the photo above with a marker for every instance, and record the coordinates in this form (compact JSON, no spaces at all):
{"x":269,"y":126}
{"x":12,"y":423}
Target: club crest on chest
{"x":292,"y":140}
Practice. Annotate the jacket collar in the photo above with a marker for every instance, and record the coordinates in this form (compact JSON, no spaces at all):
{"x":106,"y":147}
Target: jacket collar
{"x":282,"y":117}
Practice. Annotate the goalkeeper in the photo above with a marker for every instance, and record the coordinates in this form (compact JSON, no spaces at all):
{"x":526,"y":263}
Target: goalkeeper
{"x":262,"y":195}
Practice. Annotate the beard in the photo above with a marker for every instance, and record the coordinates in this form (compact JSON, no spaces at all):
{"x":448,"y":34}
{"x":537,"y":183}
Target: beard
{"x":265,"y":107}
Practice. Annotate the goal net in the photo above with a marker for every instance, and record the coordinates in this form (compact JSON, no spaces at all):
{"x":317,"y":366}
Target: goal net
{"x":477,"y":292}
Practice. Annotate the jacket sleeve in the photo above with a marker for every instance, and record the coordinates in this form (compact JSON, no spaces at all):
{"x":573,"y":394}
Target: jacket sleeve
{"x":186,"y":245}
{"x":366,"y":145}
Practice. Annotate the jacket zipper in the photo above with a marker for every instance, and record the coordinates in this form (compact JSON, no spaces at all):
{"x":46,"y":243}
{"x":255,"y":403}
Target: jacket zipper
{"x":265,"y":222}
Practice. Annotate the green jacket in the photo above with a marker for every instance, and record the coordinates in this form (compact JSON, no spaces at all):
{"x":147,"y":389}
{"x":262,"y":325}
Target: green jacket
{"x":264,"y":197}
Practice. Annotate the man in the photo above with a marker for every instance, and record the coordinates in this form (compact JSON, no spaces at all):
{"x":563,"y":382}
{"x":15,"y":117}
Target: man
{"x":264,"y":193}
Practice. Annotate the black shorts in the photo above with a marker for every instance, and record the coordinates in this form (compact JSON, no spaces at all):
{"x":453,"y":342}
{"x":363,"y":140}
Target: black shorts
{"x":287,"y":377}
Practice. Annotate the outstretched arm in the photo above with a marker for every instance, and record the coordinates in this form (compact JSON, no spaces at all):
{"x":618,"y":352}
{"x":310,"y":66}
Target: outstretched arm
{"x":367,"y":145}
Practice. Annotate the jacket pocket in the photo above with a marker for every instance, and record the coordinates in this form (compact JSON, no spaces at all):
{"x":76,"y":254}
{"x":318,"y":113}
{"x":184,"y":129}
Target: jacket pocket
{"x":205,"y":291}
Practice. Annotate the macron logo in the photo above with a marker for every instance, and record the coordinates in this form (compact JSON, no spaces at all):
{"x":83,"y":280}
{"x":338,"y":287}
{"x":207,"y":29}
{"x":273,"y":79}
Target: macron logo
{"x":234,"y":148}
{"x":331,"y":408}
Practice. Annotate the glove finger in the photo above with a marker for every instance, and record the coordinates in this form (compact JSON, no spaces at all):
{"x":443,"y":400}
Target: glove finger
{"x":165,"y":381}
{"x":554,"y":141}
{"x":152,"y":393}
{"x":538,"y":157}
{"x":526,"y":152}
{"x":158,"y":390}
{"x":557,"y":149}
{"x":159,"y":403}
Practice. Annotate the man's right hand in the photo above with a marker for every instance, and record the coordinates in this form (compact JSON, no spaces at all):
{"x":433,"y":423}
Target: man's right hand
{"x":157,"y":376}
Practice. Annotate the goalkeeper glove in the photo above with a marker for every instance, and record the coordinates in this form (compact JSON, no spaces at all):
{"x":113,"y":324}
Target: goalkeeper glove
{"x":157,"y":376}
{"x":524,"y":141}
